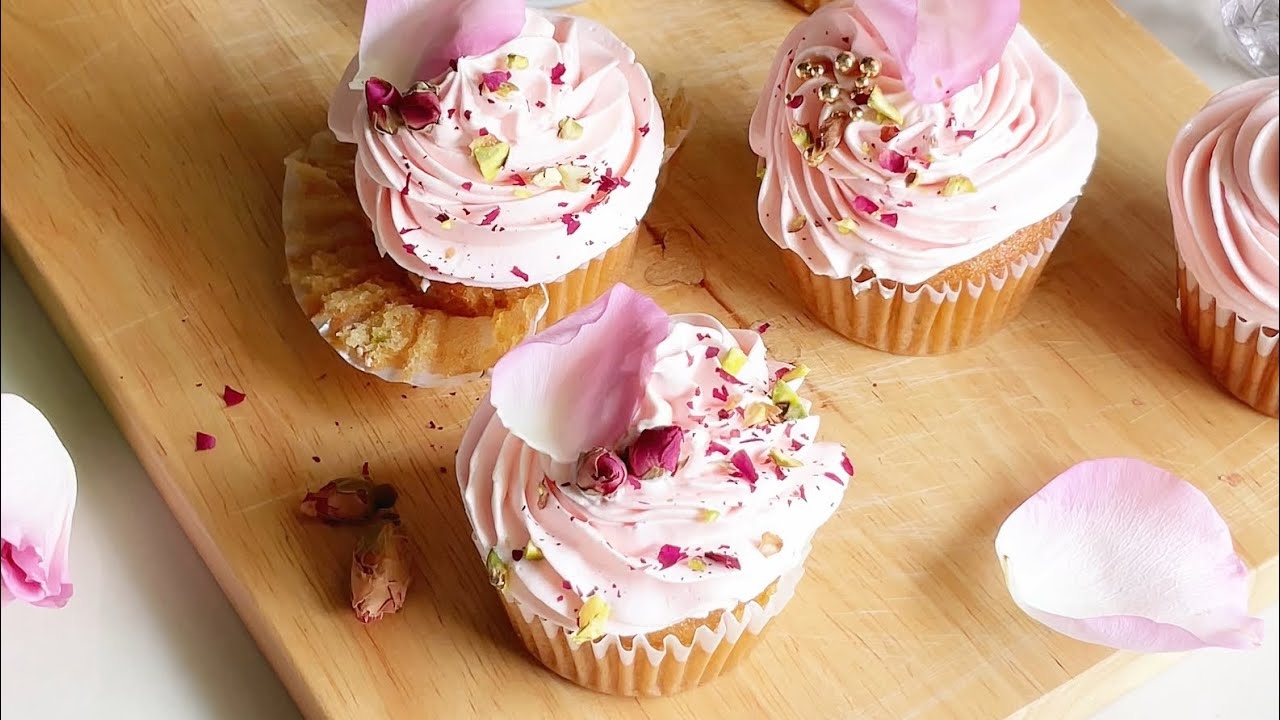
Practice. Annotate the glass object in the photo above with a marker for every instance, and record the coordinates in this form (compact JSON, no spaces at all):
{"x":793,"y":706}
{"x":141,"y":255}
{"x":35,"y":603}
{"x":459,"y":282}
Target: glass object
{"x":1254,"y":28}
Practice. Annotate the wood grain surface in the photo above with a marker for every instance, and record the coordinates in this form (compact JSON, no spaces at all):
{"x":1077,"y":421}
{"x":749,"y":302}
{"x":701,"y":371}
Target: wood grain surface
{"x":142,"y":163}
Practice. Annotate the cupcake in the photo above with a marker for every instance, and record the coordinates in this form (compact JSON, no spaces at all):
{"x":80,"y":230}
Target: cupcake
{"x":486,"y":170}
{"x":917,"y":169}
{"x":643,"y":490}
{"x":1223,"y":192}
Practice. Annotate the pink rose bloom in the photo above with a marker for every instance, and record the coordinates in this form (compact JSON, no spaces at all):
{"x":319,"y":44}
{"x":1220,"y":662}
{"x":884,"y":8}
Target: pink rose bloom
{"x":38,"y":484}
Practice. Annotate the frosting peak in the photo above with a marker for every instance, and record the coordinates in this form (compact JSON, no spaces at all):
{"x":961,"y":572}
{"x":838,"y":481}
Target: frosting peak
{"x":936,"y":187}
{"x":1224,"y":194}
{"x":737,"y":514}
{"x":557,"y":199}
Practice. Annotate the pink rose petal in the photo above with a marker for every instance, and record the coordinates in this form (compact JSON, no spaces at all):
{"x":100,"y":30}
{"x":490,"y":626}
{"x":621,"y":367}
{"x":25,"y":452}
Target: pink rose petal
{"x":557,"y":74}
{"x":232,"y":397}
{"x":407,"y":40}
{"x":576,"y":385}
{"x":725,"y":559}
{"x":742,"y":463}
{"x":890,"y":219}
{"x":205,"y":441}
{"x":669,"y":555}
{"x":942,"y":46}
{"x":493,"y":80}
{"x":864,"y":204}
{"x":37,"y":500}
{"x":966,"y":134}
{"x":893,"y":161}
{"x":1121,"y":553}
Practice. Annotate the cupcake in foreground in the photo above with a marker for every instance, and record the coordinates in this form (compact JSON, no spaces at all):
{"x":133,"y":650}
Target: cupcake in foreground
{"x":644,"y":490}
{"x":1224,"y":193}
{"x":487,"y":169}
{"x":918,"y":168}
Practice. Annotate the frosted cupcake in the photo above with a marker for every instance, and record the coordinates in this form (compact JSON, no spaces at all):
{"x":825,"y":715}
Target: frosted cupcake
{"x":917,"y":171}
{"x":1224,"y":192}
{"x":644,"y":490}
{"x":486,"y":170}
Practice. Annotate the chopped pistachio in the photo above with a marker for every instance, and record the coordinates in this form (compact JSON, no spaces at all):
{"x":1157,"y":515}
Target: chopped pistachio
{"x":570,"y":129}
{"x":709,"y":515}
{"x":506,"y":89}
{"x":544,"y":495}
{"x":881,"y":104}
{"x":697,"y":564}
{"x":795,"y":373}
{"x":786,"y":398}
{"x":770,"y":544}
{"x":760,"y":167}
{"x":446,"y":224}
{"x":497,"y":569}
{"x":591,"y":620}
{"x":533,"y":552}
{"x":517,"y":62}
{"x":797,"y":223}
{"x":490,"y":155}
{"x":573,"y":177}
{"x":784,"y":460}
{"x":801,"y":137}
{"x":759,"y":414}
{"x":547,"y":178}
{"x":846,"y":225}
{"x":957,"y":185}
{"x":733,"y":361}
{"x":522,"y":192}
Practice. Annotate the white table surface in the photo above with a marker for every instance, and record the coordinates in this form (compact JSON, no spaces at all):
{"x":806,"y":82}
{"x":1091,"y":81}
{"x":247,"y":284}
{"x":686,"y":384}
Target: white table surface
{"x":150,"y":635}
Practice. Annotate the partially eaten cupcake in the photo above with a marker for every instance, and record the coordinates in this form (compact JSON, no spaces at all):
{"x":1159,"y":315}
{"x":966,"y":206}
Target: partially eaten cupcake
{"x":643,"y":490}
{"x":486,"y":171}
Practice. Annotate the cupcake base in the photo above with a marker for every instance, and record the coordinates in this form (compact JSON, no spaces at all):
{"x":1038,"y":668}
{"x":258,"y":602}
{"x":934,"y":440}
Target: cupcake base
{"x":955,"y":309}
{"x":376,"y":315}
{"x":665,"y":662}
{"x":1241,"y":355}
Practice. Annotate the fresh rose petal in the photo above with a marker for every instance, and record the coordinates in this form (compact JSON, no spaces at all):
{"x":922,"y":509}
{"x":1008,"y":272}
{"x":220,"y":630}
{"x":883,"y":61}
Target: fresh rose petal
{"x":1121,"y":553}
{"x":576,"y":385}
{"x":232,"y":397}
{"x":408,"y":40}
{"x":890,"y":219}
{"x":864,"y":204}
{"x":493,"y":80}
{"x":205,"y":441}
{"x":669,"y":555}
{"x":37,"y":499}
{"x":893,"y":161}
{"x":744,"y":466}
{"x":942,"y":46}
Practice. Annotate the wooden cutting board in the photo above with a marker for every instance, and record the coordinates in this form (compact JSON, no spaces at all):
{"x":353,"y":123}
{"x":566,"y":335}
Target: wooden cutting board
{"x":143,"y":146}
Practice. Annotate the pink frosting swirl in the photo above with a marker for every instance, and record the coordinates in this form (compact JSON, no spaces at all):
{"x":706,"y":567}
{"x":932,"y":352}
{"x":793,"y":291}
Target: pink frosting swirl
{"x":1022,"y":135}
{"x":611,"y":544}
{"x":1224,"y":193}
{"x":435,"y":214}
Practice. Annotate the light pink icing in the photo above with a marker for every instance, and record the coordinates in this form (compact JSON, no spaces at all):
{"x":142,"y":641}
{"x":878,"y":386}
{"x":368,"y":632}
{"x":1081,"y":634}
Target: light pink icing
{"x":610,"y":545}
{"x":409,"y":181}
{"x":1032,"y":147}
{"x":1224,"y":192}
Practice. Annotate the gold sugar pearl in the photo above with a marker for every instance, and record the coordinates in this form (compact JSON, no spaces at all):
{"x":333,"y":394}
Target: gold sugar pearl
{"x":804,"y":69}
{"x":869,"y":66}
{"x":829,"y":93}
{"x":862,"y":82}
{"x":845,"y":62}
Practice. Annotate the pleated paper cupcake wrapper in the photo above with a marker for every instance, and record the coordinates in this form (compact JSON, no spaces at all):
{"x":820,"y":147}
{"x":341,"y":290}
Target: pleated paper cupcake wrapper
{"x":921,"y":319}
{"x":1240,"y":354}
{"x":375,"y":315}
{"x":608,"y":666}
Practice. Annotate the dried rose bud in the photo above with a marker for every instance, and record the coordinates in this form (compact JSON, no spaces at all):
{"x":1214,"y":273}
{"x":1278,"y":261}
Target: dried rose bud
{"x":602,"y":471}
{"x":380,"y":572}
{"x":420,"y":107}
{"x":348,"y":500}
{"x":655,"y":452}
{"x":383,"y":102}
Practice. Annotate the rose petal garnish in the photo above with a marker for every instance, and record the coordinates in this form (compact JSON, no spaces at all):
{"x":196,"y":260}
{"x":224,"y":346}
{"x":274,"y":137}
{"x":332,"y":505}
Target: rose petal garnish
{"x":725,"y":559}
{"x":576,"y":385}
{"x":205,"y":441}
{"x":846,"y":464}
{"x":715,"y":447}
{"x":381,"y":572}
{"x":570,"y":129}
{"x":1121,"y":553}
{"x":601,"y":471}
{"x":493,"y":80}
{"x":517,"y":62}
{"x":37,"y":504}
{"x":532,"y":552}
{"x":436,"y":32}
{"x":490,"y":217}
{"x":420,"y":107}
{"x":890,"y":219}
{"x":546,"y":178}
{"x":864,"y":204}
{"x":966,"y":134}
{"x":573,"y":177}
{"x":382,"y":101}
{"x":557,"y":74}
{"x":846,"y":225}
{"x":232,"y":397}
{"x":784,"y":460}
{"x":893,"y":161}
{"x":571,"y":223}
{"x":942,"y":46}
{"x":770,"y":544}
{"x":733,"y":361}
{"x":958,"y":185}
{"x":591,"y":619}
{"x":655,"y":452}
{"x":490,"y":155}
{"x":785,"y":397}
{"x":878,"y":102}
{"x":497,"y":568}
{"x":669,"y":555}
{"x":742,"y":463}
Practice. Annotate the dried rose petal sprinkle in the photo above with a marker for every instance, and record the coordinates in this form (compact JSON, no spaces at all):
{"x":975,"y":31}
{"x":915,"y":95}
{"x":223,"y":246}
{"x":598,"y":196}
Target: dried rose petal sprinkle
{"x":724,"y":559}
{"x":231,"y":396}
{"x":557,"y":74}
{"x":890,"y":219}
{"x":744,"y":466}
{"x":864,"y":204}
{"x":490,"y":216}
{"x":669,"y":555}
{"x":515,"y":270}
{"x":205,"y":441}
